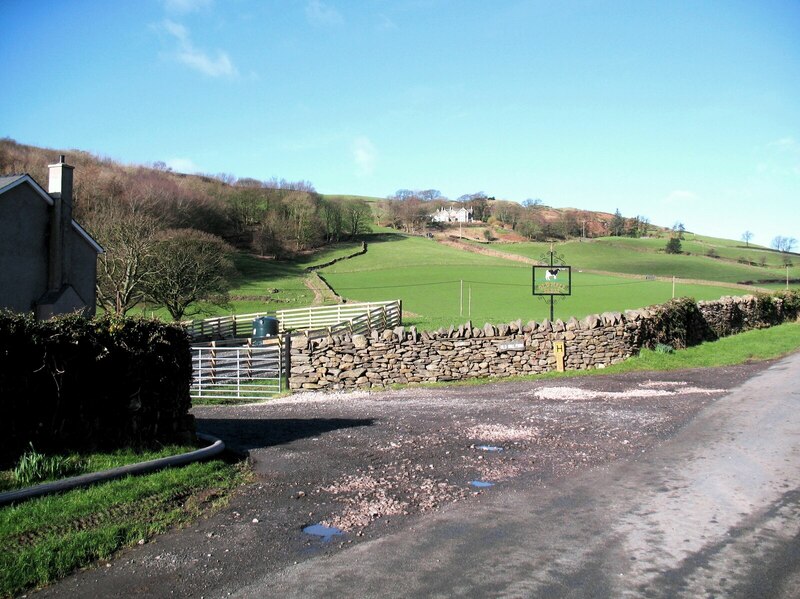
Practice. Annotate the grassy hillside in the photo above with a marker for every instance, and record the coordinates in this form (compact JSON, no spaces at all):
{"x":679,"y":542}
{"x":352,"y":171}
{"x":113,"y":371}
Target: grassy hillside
{"x":646,"y":257}
{"x":706,"y":246}
{"x":427,"y":276}
{"x":338,"y":196}
{"x":441,"y":285}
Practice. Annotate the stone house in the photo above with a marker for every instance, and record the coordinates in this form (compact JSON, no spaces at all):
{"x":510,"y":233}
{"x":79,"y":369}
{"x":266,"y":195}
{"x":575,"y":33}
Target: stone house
{"x":48,"y":262}
{"x":452,"y":215}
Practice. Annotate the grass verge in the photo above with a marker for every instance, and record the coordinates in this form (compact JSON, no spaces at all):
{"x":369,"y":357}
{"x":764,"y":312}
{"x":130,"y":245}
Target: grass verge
{"x":751,"y":346}
{"x":45,"y":539}
{"x":85,"y":463}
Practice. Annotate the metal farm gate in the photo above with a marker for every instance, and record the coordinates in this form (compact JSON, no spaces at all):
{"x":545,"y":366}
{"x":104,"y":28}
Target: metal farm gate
{"x":238,"y":373}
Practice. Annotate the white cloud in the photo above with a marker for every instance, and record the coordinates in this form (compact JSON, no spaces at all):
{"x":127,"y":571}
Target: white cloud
{"x":188,"y":54}
{"x":364,"y":155}
{"x":784,"y":143}
{"x":320,"y":14}
{"x":386,"y":24}
{"x":186,"y":6}
{"x":680,"y":196}
{"x":183,"y":165}
{"x":177,"y":30}
{"x":779,"y":158}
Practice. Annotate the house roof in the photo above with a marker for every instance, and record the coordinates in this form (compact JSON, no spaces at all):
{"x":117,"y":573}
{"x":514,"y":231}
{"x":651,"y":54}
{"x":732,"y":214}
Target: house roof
{"x":9,"y":182}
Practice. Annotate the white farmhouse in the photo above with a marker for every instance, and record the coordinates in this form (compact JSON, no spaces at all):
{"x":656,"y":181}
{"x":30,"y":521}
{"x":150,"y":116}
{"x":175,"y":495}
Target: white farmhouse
{"x":452,"y":215}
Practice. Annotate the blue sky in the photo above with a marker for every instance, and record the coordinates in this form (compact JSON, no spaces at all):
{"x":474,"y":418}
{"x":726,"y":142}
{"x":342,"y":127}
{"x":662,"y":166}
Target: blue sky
{"x":677,"y":111}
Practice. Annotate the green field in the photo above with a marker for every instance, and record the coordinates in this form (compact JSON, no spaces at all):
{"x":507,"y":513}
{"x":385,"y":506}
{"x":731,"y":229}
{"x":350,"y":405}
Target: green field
{"x":701,"y":246}
{"x":339,"y":196}
{"x":428,"y":276}
{"x":642,"y":257}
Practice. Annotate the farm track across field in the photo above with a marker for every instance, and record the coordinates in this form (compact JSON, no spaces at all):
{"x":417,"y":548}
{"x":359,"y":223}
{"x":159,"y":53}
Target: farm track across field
{"x":524,"y":259}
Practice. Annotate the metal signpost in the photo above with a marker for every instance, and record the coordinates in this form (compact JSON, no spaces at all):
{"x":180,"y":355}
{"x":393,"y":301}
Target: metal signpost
{"x":552,"y":280}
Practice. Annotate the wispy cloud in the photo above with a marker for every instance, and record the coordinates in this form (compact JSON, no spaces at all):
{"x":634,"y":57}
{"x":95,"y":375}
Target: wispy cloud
{"x":365,"y":156}
{"x":322,"y":15}
{"x":785,"y":143}
{"x":680,"y":196}
{"x":386,"y":24}
{"x":779,"y":158}
{"x":183,"y":165}
{"x":186,"y":6}
{"x":195,"y":58}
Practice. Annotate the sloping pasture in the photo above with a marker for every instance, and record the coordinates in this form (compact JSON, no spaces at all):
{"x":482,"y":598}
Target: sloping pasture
{"x":428,"y":277}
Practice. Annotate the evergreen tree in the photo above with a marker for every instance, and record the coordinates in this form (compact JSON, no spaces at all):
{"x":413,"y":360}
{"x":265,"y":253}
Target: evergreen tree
{"x":673,"y":246}
{"x":617,"y":226}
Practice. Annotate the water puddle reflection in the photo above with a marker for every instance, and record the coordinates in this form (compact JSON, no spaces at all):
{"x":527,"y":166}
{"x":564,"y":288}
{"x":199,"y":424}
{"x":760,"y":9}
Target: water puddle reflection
{"x":326,"y":533}
{"x":481,"y":484}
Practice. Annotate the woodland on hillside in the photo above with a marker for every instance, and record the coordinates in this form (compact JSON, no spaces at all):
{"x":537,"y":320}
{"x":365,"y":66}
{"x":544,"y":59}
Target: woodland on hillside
{"x":140,"y":215}
{"x":410,"y":211}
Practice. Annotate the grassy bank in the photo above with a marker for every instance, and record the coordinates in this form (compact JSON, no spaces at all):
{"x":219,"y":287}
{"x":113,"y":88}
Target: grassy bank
{"x":45,"y":539}
{"x":757,"y":345}
{"x":646,"y":257}
{"x":752,"y":346}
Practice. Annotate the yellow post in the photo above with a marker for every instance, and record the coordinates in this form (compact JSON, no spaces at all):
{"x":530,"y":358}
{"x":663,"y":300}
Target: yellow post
{"x":558,"y":350}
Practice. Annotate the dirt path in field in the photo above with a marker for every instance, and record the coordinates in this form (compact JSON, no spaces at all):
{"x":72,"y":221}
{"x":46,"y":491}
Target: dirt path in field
{"x":524,"y":259}
{"x":468,"y":247}
{"x":321,"y":290}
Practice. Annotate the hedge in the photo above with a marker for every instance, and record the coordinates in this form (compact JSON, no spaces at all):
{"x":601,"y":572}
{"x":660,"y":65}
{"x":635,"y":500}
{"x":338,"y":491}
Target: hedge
{"x":72,"y":383}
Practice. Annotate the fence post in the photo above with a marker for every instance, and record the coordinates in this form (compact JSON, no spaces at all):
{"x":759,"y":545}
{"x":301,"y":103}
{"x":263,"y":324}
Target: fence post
{"x":286,"y":363}
{"x":199,"y":372}
{"x":238,"y":376}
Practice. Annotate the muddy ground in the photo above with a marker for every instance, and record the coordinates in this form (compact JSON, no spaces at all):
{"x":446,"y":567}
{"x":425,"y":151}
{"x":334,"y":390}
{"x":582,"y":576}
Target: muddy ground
{"x":367,"y":463}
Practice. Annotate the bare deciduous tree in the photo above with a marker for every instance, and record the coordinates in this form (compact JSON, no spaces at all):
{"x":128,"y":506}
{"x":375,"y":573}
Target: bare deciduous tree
{"x":783,"y":244}
{"x":191,"y":266}
{"x":127,"y":261}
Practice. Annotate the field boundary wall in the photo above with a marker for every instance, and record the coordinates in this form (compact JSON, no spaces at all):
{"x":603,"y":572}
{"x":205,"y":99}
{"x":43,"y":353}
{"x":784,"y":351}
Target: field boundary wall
{"x":404,"y":355}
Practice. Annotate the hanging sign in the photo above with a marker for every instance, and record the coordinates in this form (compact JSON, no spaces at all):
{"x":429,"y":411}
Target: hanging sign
{"x":552,"y":280}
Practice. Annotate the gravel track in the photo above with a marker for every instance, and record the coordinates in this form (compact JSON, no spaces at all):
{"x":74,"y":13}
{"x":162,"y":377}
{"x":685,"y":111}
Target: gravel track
{"x":373,"y":463}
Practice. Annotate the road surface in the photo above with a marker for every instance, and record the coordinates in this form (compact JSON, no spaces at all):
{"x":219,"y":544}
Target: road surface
{"x":712,"y":512}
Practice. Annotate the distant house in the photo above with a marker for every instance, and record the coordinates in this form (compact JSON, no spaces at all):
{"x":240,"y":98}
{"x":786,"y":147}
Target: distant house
{"x":48,"y":263}
{"x":452,"y":215}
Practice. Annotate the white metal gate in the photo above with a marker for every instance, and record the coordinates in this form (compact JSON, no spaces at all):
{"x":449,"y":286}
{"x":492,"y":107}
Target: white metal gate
{"x":252,"y":372}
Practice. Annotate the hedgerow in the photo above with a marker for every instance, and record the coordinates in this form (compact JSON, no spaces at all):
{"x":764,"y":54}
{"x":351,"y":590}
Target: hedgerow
{"x":678,"y":323}
{"x":72,"y":383}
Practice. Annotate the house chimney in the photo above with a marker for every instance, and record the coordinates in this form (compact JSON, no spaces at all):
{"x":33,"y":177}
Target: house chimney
{"x":61,"y":180}
{"x":60,"y":189}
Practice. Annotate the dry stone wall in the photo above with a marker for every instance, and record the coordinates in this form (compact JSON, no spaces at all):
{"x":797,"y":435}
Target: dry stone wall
{"x":731,"y":315}
{"x":405,"y":355}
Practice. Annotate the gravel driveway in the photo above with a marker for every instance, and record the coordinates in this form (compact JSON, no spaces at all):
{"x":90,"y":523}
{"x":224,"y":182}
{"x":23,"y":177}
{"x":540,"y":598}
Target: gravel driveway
{"x":366,"y":464}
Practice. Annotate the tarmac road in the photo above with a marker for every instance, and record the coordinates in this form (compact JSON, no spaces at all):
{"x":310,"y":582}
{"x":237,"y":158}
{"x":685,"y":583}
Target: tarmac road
{"x":712,"y":512}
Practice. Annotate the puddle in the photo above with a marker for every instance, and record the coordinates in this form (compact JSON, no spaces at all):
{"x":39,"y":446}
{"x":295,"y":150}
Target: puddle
{"x":489,"y":448}
{"x":481,"y":484}
{"x":326,"y":533}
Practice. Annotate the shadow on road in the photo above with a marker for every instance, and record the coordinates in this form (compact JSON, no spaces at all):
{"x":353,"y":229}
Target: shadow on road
{"x":244,"y":435}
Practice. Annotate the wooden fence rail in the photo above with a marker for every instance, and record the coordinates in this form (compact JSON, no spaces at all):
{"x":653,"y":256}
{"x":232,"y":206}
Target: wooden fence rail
{"x":328,"y":319}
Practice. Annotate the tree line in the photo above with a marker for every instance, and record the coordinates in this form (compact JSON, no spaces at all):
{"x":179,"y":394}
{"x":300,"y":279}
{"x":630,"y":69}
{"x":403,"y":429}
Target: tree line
{"x":410,"y":211}
{"x":169,"y":238}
